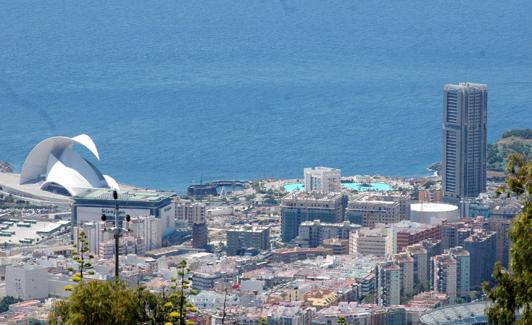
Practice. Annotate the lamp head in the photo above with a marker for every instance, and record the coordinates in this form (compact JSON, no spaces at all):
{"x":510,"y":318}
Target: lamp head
{"x":115,"y":195}
{"x":104,"y":217}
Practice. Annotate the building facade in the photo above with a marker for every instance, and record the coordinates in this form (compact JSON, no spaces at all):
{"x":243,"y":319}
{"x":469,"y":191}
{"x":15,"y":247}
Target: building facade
{"x":200,"y":235}
{"x":388,"y":283}
{"x":406,"y":263}
{"x":313,"y":233}
{"x":420,"y":257}
{"x":481,"y":246}
{"x":465,"y":108}
{"x":378,"y":241}
{"x":247,"y":238}
{"x":462,"y":270}
{"x":27,"y":281}
{"x":409,"y":233}
{"x":444,"y":275}
{"x":298,"y":207}
{"x":191,"y":212}
{"x":322,"y":180}
{"x":92,"y":204}
{"x":369,"y":212}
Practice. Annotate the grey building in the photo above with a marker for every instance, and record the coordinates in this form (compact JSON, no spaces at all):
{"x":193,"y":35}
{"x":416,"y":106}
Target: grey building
{"x":298,"y":207}
{"x":433,"y":247}
{"x":454,"y":234}
{"x":313,"y":233}
{"x":247,"y":239}
{"x":465,"y":108}
{"x":482,"y":249}
{"x":200,"y":235}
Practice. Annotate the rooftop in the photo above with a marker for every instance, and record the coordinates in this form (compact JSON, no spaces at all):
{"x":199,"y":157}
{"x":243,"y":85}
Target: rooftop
{"x":433,"y":207}
{"x":472,"y":313}
{"x":411,"y":226}
{"x":133,"y":195}
{"x":249,"y":228}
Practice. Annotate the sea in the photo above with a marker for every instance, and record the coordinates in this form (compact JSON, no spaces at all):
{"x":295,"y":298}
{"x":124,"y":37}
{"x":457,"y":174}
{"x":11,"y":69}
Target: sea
{"x":177,"y":92}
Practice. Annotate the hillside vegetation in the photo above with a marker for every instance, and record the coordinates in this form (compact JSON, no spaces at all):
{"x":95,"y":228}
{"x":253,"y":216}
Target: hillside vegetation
{"x":512,"y":141}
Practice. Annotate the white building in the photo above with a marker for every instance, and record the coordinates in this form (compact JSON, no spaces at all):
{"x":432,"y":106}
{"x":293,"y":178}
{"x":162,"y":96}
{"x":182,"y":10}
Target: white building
{"x":145,"y":233}
{"x":92,"y":204}
{"x":150,"y":229}
{"x":433,"y":213}
{"x":322,"y":179}
{"x":27,"y":281}
{"x":58,"y":168}
{"x":378,"y":241}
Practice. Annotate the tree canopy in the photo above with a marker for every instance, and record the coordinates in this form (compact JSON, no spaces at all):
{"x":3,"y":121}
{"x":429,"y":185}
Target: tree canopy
{"x":512,"y":293}
{"x":107,"y":303}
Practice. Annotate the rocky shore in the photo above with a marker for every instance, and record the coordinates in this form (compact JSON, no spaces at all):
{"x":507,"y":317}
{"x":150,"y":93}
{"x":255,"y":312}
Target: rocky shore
{"x":5,"y":167}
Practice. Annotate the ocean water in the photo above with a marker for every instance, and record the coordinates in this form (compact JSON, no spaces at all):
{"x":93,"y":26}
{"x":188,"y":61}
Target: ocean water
{"x":174,"y":92}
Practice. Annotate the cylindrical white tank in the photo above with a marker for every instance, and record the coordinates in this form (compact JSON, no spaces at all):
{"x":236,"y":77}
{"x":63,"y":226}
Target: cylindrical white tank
{"x":433,"y":213}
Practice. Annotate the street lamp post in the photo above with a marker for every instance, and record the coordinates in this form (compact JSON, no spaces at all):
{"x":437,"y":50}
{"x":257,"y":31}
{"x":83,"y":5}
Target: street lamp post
{"x":117,"y":231}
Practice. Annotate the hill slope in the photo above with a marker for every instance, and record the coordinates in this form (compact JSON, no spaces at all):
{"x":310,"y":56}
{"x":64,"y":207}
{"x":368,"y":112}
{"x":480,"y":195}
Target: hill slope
{"x":513,"y":141}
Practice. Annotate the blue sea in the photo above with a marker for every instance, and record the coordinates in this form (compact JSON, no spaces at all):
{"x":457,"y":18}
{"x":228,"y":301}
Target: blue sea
{"x":174,"y":92}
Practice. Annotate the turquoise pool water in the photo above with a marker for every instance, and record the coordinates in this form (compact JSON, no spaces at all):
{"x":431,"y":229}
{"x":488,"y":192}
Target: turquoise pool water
{"x":294,"y":187}
{"x":361,"y":187}
{"x":364,"y":187}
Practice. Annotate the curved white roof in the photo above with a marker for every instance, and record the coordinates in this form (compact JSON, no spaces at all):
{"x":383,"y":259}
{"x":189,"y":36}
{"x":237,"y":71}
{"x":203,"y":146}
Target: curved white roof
{"x":433,"y":207}
{"x":55,"y":162}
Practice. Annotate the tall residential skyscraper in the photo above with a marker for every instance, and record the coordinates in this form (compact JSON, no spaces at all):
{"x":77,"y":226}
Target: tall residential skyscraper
{"x":465,"y":110}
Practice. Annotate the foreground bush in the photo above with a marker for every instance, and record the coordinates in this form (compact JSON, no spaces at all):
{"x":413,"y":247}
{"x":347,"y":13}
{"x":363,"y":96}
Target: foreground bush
{"x":104,"y":302}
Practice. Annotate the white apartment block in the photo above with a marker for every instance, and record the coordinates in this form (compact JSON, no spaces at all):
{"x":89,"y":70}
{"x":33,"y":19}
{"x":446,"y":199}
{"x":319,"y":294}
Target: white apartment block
{"x":322,"y":179}
{"x":27,"y":281}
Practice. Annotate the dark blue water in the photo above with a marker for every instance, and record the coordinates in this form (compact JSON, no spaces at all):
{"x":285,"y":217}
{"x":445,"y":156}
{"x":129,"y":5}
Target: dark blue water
{"x":177,"y":91}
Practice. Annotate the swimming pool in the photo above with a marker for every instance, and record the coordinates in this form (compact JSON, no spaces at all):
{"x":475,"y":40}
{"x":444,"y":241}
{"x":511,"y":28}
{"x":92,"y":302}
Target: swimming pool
{"x":361,"y":187}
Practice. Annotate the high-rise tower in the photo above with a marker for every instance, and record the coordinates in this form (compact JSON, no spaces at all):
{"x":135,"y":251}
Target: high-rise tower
{"x":465,"y":108}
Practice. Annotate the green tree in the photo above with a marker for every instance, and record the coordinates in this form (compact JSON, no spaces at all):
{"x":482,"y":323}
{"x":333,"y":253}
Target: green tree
{"x":6,"y":301}
{"x":107,"y":303}
{"x":341,"y":320}
{"x":512,"y":292}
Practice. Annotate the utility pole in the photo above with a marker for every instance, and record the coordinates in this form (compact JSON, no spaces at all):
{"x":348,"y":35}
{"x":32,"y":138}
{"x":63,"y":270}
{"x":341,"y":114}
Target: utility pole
{"x":117,"y":231}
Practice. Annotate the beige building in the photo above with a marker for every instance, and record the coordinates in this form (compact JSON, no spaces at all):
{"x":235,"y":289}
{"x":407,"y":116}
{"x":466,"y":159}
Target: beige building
{"x":421,"y":275}
{"x":378,"y":241}
{"x":406,"y":263}
{"x":191,"y":212}
{"x":444,"y":275}
{"x":367,"y":212}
